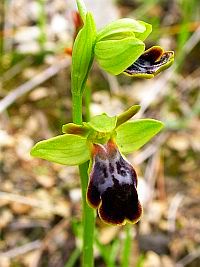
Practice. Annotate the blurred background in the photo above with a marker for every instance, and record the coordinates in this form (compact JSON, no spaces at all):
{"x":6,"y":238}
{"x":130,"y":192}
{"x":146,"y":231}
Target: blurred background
{"x":40,"y":202}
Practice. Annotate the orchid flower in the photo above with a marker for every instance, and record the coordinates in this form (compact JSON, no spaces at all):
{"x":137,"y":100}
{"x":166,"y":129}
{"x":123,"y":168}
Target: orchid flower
{"x":112,"y":186}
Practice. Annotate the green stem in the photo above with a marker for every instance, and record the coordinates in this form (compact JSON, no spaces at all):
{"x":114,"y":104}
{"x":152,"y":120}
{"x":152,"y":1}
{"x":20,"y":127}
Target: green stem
{"x":77,"y":108}
{"x":88,"y":220}
{"x":87,"y":102}
{"x":88,"y":217}
{"x":42,"y":25}
{"x":127,"y":247}
{"x":73,"y":258}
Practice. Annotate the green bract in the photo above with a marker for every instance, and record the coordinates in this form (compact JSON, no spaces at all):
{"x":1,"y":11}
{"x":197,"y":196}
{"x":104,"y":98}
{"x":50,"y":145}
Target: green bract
{"x":73,"y":147}
{"x":82,"y":54}
{"x":82,"y":9}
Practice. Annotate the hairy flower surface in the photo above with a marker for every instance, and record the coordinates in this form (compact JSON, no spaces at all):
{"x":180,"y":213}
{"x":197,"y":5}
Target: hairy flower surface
{"x":112,"y":186}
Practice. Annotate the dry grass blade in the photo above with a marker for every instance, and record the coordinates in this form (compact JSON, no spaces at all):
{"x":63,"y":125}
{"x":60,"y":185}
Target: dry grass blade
{"x":31,"y":84}
{"x":12,"y":253}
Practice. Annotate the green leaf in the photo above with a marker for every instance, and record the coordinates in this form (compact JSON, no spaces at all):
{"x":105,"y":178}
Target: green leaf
{"x":126,"y":115}
{"x":143,"y":35}
{"x":82,"y":9}
{"x":115,"y":56}
{"x":134,"y":134}
{"x":103,"y":123}
{"x":65,"y":149}
{"x":119,"y":28}
{"x":82,"y":55}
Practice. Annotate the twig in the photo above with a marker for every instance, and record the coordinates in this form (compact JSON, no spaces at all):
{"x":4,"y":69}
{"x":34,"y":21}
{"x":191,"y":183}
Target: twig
{"x":12,"y":253}
{"x":192,"y":41}
{"x":113,"y":82}
{"x":161,"y":180}
{"x":48,"y":238}
{"x":188,"y":258}
{"x":150,"y":176}
{"x":31,"y":84}
{"x":174,"y":205}
{"x":16,"y":69}
{"x":150,"y":149}
{"x":28,"y":201}
{"x":20,"y":224}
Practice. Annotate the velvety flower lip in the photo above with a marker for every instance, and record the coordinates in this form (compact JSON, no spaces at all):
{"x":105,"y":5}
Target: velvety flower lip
{"x":112,"y":186}
{"x":151,"y":62}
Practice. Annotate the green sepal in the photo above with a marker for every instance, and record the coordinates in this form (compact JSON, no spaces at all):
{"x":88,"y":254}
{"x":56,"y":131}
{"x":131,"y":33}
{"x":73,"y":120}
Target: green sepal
{"x":115,"y":56}
{"x":82,"y":9}
{"x":127,"y":115}
{"x":134,"y":134}
{"x":120,"y":28}
{"x":83,"y":54}
{"x":66,"y":149}
{"x":72,"y":128}
{"x":143,"y":35}
{"x":103,"y":123}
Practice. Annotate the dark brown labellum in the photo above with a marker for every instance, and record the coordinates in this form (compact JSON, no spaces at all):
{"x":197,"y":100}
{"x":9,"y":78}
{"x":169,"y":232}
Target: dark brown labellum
{"x":112,"y":186}
{"x":151,"y":62}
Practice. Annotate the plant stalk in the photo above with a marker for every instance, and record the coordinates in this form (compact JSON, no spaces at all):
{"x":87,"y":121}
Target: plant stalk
{"x":88,"y":215}
{"x":127,"y":247}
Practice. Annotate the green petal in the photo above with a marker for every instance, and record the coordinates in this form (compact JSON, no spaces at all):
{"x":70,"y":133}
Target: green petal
{"x":72,"y":128}
{"x":121,"y":27}
{"x":103,"y":123}
{"x":132,"y":135}
{"x":65,"y":149}
{"x":143,"y":35}
{"x":115,"y":56}
{"x":126,"y":115}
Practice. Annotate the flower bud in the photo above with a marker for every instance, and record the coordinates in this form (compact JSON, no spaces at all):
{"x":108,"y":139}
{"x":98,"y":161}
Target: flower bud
{"x":120,"y":43}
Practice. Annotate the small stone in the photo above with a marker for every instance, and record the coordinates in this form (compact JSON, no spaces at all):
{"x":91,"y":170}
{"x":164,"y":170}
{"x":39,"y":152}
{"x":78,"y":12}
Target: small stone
{"x":19,"y":208}
{"x":6,"y":218}
{"x":23,"y":147}
{"x":152,"y":260}
{"x":5,"y":139}
{"x":45,"y":180}
{"x":39,"y":93}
